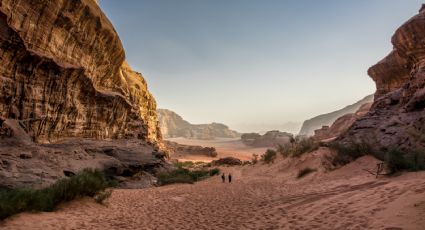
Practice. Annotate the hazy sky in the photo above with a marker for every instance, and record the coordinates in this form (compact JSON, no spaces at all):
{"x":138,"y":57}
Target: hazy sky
{"x":250,"y":62}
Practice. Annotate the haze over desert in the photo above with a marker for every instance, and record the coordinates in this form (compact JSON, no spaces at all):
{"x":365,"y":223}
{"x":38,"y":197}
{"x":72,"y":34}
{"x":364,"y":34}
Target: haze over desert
{"x":247,"y":114}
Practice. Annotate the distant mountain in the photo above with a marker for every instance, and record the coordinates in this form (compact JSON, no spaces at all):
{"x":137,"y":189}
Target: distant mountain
{"x":290,"y":127}
{"x":173,"y":125}
{"x":327,"y":119}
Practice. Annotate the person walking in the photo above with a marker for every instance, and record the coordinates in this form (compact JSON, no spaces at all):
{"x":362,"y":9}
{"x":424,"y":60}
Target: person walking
{"x":230,"y":178}
{"x":223,"y":177}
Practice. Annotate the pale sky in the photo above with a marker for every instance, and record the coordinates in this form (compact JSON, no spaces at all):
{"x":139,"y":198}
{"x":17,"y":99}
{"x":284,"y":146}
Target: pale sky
{"x":250,"y":62}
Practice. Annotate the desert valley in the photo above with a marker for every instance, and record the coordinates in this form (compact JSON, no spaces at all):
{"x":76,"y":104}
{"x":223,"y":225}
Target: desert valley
{"x":83,"y":144}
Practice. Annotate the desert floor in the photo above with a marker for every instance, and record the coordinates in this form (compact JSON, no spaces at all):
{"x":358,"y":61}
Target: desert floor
{"x":226,"y":147}
{"x":260,"y":197}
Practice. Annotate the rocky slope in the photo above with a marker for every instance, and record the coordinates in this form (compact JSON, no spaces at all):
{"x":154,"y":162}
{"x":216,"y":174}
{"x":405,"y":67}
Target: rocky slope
{"x":341,"y":124}
{"x":63,"y":76}
{"x":317,"y":122}
{"x":269,"y":139}
{"x":173,"y":125}
{"x":397,"y":116}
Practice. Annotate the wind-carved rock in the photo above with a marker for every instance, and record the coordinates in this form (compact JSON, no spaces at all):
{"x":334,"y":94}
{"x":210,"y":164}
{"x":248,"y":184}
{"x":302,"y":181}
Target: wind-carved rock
{"x":63,"y":78}
{"x":397,"y":116}
{"x":63,"y":74}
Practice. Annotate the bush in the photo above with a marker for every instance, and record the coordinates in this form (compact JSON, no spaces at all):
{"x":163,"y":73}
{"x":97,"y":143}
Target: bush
{"x":303,"y":172}
{"x":214,"y":171}
{"x":394,"y":159}
{"x":102,"y":196}
{"x":352,"y":151}
{"x":86,"y":183}
{"x":254,"y":158}
{"x":182,"y":175}
{"x":300,"y":146}
{"x":269,"y":156}
{"x":184,"y":164}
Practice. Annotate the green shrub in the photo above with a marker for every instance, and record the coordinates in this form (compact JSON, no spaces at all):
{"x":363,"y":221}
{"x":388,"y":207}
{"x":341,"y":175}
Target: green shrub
{"x":254,"y":158}
{"x":102,"y":196}
{"x":303,"y":172}
{"x":184,"y":164}
{"x":349,"y":152}
{"x":269,"y":156}
{"x":86,"y":183}
{"x":214,"y":171}
{"x":182,"y":175}
{"x":394,"y":159}
{"x":299,"y":146}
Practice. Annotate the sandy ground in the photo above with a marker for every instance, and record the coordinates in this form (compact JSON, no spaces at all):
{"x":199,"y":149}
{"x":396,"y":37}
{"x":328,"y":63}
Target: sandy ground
{"x":225,"y":147}
{"x":260,"y":197}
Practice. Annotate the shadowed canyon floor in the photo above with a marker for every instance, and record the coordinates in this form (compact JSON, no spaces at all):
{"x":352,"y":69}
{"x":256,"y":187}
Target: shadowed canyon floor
{"x":260,"y":197}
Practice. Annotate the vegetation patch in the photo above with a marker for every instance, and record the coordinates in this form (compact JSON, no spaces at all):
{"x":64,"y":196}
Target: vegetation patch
{"x":182,"y":175}
{"x":269,"y":156}
{"x":395,"y":160}
{"x":299,"y":146}
{"x":184,"y":164}
{"x":305,"y":171}
{"x":86,"y":183}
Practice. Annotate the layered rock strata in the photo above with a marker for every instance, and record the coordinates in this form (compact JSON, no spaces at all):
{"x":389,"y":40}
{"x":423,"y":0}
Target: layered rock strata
{"x":64,"y":79}
{"x":397,"y":116}
{"x":173,"y":125}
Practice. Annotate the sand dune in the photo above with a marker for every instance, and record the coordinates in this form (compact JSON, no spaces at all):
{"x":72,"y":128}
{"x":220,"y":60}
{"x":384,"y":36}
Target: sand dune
{"x":260,"y":197}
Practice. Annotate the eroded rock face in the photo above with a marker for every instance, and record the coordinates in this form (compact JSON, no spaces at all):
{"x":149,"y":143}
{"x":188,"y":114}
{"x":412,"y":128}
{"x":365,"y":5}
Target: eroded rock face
{"x":341,"y":124}
{"x":68,"y":99}
{"x":177,"y":149}
{"x":173,"y":125}
{"x":327,"y":119}
{"x":397,"y":116}
{"x":63,"y":74}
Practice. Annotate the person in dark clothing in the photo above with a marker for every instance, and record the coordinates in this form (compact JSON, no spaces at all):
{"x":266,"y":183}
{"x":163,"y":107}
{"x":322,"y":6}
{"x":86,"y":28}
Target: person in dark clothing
{"x":223,"y":177}
{"x":230,"y":178}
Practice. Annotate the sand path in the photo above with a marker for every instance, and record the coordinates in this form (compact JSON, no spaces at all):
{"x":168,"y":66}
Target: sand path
{"x":348,"y":198}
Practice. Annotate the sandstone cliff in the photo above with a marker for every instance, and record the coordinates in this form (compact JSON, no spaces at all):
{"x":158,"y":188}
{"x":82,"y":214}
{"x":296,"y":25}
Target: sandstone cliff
{"x":397,"y":116}
{"x":317,"y":122}
{"x":63,"y":77}
{"x":341,"y":124}
{"x":173,"y":125}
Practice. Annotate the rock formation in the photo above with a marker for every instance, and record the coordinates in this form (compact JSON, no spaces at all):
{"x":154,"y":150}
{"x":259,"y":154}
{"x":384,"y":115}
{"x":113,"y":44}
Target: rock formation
{"x":397,"y":116}
{"x":341,"y":124}
{"x":269,"y":139}
{"x":180,"y":149}
{"x":317,"y":122}
{"x":63,"y":77}
{"x":173,"y":125}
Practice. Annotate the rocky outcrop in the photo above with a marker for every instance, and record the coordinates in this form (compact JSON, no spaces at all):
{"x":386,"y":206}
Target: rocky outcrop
{"x":269,"y":139}
{"x":317,"y":122}
{"x":341,"y":124}
{"x":63,"y":74}
{"x":173,"y":125}
{"x":397,"y":116}
{"x":64,"y":79}
{"x":180,"y":149}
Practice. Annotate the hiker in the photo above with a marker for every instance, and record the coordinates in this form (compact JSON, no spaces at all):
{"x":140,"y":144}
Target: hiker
{"x":230,"y":178}
{"x":223,"y":177}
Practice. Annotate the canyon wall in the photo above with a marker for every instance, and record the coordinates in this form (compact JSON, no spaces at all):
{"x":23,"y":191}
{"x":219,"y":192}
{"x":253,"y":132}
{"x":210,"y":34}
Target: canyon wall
{"x":63,"y":74}
{"x":173,"y":125}
{"x":327,"y":119}
{"x":68,"y":99}
{"x":397,"y":116}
